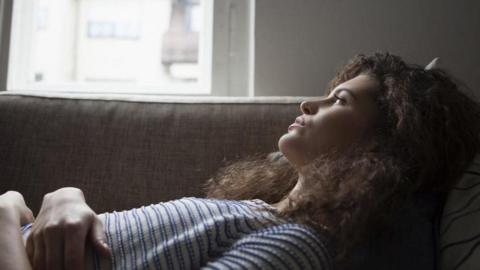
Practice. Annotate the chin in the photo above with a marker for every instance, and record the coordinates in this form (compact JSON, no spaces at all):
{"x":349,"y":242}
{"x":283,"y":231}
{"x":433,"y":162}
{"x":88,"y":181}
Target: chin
{"x":283,"y":142}
{"x":290,"y":139}
{"x":289,"y":146}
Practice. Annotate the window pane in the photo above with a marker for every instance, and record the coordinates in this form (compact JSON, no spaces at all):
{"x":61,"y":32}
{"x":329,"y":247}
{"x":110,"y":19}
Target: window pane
{"x":133,"y":42}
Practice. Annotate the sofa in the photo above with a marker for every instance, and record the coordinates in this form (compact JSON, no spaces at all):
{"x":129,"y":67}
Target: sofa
{"x":128,"y":151}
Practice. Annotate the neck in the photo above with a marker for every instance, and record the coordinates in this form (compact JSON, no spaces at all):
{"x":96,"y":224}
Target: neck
{"x":297,"y":189}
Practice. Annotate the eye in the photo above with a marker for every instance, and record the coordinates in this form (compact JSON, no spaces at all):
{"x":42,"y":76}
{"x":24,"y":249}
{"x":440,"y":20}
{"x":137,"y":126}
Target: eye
{"x":341,"y":101}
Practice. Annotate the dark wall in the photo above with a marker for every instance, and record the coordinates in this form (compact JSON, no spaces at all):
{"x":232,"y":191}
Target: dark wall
{"x":301,"y":43}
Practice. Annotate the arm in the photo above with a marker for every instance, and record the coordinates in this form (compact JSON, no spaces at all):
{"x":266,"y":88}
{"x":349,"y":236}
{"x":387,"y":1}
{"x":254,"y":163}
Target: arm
{"x":287,"y":246}
{"x":63,"y":227}
{"x":13,"y":214}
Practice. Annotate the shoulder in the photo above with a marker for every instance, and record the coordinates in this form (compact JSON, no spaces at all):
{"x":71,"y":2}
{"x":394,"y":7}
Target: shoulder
{"x":296,"y":244}
{"x":293,"y":234}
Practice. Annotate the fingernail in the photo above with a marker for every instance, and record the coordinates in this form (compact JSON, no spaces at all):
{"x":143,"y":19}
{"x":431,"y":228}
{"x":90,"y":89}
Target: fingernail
{"x":105,"y":245}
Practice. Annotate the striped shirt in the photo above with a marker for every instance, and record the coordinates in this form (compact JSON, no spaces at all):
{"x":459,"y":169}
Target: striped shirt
{"x":199,"y":233}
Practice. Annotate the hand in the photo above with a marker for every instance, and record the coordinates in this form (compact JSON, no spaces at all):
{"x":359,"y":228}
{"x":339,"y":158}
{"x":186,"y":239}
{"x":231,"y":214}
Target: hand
{"x":13,"y":207}
{"x":60,"y":232}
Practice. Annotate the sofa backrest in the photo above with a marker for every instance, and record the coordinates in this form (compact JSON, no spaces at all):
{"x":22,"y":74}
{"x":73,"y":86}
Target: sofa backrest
{"x":128,"y":152}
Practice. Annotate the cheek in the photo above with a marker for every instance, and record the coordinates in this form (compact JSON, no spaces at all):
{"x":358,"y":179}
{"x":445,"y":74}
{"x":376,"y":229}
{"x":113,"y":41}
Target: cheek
{"x":335,"y":129}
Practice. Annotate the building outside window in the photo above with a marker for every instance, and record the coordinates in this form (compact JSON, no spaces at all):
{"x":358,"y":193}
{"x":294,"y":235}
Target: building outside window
{"x":151,"y":46}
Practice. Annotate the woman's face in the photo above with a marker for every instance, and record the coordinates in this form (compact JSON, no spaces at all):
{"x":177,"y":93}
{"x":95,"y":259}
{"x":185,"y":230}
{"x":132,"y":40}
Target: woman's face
{"x":345,"y":115}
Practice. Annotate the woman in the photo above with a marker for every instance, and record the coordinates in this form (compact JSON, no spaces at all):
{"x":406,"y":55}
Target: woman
{"x":384,"y":131}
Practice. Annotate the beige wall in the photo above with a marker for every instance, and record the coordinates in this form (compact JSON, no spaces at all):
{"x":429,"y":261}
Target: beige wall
{"x":300,"y":43}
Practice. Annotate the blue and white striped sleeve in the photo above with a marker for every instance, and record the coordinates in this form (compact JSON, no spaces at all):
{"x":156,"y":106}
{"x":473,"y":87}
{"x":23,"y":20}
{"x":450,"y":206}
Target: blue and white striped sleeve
{"x":286,"y":246}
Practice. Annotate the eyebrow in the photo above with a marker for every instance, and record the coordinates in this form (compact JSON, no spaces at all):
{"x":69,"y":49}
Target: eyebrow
{"x":346,"y":90}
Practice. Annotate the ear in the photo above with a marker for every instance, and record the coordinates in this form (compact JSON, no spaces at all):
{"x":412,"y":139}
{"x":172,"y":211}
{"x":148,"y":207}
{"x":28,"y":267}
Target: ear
{"x":433,"y":64}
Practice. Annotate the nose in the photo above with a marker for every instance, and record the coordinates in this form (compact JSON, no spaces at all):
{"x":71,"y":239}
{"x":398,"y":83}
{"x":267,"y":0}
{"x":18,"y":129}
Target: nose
{"x":311,"y":106}
{"x":308,"y":107}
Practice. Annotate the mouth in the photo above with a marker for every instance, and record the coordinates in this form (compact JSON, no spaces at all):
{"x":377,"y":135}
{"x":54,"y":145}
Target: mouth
{"x":300,"y":120}
{"x":299,"y":123}
{"x":293,"y":126}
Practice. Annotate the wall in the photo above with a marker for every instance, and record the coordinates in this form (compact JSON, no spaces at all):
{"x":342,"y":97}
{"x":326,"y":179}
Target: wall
{"x":301,"y":43}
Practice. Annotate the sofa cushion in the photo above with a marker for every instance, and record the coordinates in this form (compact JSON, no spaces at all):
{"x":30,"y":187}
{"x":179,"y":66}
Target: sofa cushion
{"x":411,"y":242}
{"x":460,"y":224}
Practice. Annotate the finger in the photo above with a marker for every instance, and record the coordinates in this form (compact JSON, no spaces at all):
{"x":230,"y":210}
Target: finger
{"x":30,"y":248}
{"x":75,"y":237}
{"x":99,"y":238}
{"x":53,"y":248}
{"x":30,"y":216}
{"x":39,"y":253}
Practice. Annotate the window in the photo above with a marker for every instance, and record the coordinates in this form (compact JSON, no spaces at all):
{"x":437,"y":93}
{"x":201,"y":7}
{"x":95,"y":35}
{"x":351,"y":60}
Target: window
{"x":130,"y":46}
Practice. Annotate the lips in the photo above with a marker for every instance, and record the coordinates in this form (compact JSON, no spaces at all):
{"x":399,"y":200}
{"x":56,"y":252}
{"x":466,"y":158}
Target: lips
{"x":299,"y":120}
{"x":299,"y":123}
{"x":294,"y":125}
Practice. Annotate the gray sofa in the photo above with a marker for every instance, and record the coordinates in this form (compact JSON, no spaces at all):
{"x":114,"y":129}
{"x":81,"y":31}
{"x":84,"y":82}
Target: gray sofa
{"x":124,"y":152}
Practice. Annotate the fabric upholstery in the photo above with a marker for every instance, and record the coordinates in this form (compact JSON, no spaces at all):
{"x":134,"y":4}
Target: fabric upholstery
{"x":407,"y":246}
{"x":460,"y":224}
{"x":125,"y":154}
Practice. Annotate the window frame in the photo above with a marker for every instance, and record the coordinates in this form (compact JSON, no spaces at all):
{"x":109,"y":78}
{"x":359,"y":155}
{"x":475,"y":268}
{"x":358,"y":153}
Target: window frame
{"x":232,"y":56}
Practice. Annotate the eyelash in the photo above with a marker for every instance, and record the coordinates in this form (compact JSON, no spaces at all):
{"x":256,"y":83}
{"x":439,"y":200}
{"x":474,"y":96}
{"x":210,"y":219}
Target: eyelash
{"x":339,"y":98}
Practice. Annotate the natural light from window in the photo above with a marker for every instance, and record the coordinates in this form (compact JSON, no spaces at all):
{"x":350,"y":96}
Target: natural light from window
{"x":140,"y":46}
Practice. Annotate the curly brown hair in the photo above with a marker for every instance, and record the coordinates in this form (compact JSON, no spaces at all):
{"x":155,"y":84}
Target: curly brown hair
{"x":426,"y":136}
